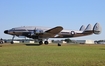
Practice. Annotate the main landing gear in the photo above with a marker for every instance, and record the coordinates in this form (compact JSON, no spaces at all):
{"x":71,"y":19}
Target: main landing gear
{"x":40,"y":42}
{"x":45,"y":42}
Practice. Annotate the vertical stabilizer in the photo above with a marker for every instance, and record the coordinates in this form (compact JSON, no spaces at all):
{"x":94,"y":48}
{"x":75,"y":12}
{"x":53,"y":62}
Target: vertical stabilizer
{"x":89,"y":28}
{"x":97,"y":28}
{"x":82,"y":28}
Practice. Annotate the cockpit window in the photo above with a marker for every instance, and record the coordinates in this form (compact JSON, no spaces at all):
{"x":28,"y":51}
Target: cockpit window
{"x":13,"y":29}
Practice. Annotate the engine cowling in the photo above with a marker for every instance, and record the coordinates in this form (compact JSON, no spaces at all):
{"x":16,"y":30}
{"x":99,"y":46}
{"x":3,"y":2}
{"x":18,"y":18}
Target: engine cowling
{"x":97,"y":28}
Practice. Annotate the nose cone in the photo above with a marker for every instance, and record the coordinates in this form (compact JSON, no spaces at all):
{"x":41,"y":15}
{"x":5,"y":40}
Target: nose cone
{"x":6,"y":31}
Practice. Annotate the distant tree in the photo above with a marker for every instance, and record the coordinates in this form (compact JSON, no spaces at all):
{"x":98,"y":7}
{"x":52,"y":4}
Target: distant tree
{"x":101,"y":40}
{"x":68,"y":40}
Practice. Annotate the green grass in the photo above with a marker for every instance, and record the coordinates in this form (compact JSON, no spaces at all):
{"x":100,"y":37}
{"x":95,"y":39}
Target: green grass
{"x":52,"y":55}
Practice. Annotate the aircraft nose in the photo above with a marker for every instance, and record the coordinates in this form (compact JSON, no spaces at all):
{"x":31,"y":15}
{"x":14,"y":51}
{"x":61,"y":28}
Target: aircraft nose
{"x":6,"y":31}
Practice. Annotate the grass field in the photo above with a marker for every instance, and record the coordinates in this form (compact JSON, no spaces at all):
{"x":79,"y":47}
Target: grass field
{"x":52,"y":55}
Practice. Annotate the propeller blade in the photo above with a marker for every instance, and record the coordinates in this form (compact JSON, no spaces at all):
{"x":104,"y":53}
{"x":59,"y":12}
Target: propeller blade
{"x":34,"y":31}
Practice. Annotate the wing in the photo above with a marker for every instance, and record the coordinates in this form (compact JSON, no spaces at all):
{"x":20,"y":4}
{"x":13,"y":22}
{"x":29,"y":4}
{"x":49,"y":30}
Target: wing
{"x":55,"y":30}
{"x":52,"y":32}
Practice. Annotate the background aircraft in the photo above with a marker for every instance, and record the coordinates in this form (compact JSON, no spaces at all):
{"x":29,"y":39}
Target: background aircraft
{"x":43,"y":33}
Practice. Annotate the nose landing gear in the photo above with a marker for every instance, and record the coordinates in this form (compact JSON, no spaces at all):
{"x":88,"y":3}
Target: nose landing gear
{"x":12,"y":40}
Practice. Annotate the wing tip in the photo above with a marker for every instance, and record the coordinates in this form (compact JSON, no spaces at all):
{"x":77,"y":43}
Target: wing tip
{"x":59,"y":27}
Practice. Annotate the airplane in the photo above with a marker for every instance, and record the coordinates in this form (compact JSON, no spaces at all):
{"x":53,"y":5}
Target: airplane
{"x":42,"y":34}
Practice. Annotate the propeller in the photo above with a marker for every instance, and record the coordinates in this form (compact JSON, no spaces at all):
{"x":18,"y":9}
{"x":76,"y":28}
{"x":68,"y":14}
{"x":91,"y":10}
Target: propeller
{"x":35,"y":31}
{"x":35,"y":36}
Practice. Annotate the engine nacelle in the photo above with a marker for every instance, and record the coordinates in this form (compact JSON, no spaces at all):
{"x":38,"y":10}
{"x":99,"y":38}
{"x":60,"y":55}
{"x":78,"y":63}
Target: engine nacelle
{"x":97,"y":28}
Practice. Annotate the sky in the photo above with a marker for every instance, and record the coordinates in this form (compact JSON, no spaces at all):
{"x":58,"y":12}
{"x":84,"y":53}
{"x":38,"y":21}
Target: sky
{"x":70,"y":14}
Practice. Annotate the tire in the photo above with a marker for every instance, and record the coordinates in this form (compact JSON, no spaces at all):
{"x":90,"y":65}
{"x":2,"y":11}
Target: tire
{"x":12,"y":42}
{"x":59,"y":44}
{"x":46,"y":43}
{"x":40,"y":42}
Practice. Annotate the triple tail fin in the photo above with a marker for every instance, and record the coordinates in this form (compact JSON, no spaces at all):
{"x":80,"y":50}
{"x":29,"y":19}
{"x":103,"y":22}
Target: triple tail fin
{"x":82,"y":28}
{"x":97,"y":28}
{"x":88,"y":29}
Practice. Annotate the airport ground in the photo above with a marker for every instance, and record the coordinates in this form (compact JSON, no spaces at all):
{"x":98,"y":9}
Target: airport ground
{"x":52,"y":55}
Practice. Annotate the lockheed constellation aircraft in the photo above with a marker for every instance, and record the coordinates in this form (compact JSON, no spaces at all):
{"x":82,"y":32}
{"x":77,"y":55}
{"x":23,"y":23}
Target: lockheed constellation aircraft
{"x":43,"y":33}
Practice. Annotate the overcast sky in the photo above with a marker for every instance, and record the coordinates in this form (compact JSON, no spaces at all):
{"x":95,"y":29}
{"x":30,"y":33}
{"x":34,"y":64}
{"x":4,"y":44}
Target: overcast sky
{"x":70,"y":14}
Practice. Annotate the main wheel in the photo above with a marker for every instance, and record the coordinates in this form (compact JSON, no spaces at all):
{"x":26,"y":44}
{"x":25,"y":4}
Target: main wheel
{"x":40,"y":42}
{"x":12,"y":42}
{"x":46,"y":42}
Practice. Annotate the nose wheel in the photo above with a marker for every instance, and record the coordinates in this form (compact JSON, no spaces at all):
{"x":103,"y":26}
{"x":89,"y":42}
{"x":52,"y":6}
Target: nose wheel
{"x":59,"y":44}
{"x":12,"y":42}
